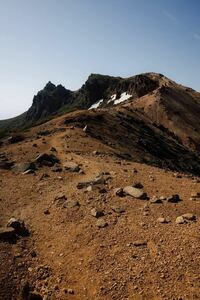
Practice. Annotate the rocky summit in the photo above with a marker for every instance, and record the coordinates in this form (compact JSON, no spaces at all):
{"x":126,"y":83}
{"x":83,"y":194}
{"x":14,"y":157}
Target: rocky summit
{"x":100,"y":198}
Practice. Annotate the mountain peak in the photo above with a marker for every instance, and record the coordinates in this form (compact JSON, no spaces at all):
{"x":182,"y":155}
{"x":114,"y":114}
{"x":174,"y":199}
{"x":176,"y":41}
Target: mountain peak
{"x":49,"y":86}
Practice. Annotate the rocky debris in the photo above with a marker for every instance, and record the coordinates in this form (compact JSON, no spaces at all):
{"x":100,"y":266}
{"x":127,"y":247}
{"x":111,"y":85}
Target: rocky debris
{"x":101,"y":223}
{"x":135,"y":192}
{"x":139,"y":243}
{"x":23,"y":167}
{"x":26,"y":293}
{"x":185,"y":218}
{"x":118,"y":209}
{"x":163,"y":220}
{"x":97,"y":213}
{"x":174,"y":198}
{"x":155,"y":200}
{"x":71,"y":166}
{"x":195,"y":196}
{"x":45,"y":159}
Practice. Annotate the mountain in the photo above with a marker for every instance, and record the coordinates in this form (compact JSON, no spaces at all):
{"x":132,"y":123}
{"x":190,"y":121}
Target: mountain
{"x":148,"y":116}
{"x":101,"y":201}
{"x":54,"y":99}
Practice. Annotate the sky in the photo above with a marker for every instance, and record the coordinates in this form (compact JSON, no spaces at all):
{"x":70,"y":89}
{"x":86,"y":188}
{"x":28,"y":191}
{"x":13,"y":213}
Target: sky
{"x":66,"y":40}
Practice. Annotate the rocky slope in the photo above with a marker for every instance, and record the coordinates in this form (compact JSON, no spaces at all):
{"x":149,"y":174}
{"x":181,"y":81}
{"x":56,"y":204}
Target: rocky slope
{"x":100,"y":226}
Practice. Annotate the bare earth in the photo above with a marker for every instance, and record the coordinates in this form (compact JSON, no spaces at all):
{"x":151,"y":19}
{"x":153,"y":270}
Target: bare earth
{"x":67,"y":256}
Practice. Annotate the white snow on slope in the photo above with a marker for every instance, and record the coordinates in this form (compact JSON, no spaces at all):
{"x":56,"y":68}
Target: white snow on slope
{"x":124,"y":97}
{"x":112,"y":98}
{"x":96,"y":105}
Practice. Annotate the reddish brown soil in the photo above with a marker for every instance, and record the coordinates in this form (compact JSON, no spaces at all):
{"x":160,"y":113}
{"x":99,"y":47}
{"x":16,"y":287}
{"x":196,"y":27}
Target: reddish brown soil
{"x":72,"y":252}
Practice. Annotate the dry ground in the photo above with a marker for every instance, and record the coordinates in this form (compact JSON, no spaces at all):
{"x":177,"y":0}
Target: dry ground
{"x":71,"y":252}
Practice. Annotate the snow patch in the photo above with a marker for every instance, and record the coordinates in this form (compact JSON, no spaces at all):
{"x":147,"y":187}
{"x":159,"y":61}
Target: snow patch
{"x":124,"y":97}
{"x":96,"y":105}
{"x":112,"y":98}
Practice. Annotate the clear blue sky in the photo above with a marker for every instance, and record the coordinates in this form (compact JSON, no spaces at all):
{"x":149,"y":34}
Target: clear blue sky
{"x":66,"y":40}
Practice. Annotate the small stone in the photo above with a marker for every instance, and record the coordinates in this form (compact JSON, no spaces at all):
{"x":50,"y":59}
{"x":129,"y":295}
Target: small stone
{"x":70,"y":291}
{"x":118,"y":209}
{"x":46,"y":212}
{"x":162,"y":220}
{"x":97,"y":213}
{"x":140,"y":243}
{"x":101,"y":223}
{"x":71,"y":167}
{"x":180,"y":220}
{"x":155,"y":200}
{"x":119,"y":192}
{"x":137,"y":185}
{"x":174,"y":199}
{"x":189,"y":217}
{"x":71,"y":204}
{"x":135,"y":192}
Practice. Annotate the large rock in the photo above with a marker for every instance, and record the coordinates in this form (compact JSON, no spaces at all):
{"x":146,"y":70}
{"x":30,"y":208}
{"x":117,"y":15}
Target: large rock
{"x":135,"y":192}
{"x":45,"y":159}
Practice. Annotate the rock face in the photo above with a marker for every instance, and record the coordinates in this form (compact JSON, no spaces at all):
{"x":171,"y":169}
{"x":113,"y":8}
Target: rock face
{"x":48,"y":101}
